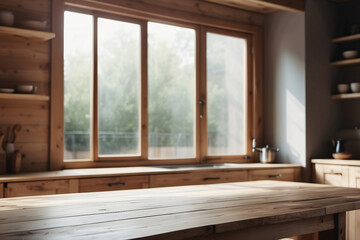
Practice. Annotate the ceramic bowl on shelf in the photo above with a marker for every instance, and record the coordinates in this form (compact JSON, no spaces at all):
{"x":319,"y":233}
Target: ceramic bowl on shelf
{"x":343,"y":88}
{"x":6,"y":18}
{"x":33,"y":24}
{"x":7,"y":90}
{"x":26,"y":88}
{"x":355,"y":87}
{"x":342,"y":155}
{"x":350,"y":54}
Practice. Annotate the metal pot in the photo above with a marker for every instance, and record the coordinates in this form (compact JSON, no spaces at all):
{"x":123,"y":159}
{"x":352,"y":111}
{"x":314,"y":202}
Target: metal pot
{"x":267,"y":154}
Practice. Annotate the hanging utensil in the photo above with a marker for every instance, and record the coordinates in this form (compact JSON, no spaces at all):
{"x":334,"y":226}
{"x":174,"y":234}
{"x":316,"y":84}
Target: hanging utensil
{"x":15,"y":130}
{"x":7,"y":136}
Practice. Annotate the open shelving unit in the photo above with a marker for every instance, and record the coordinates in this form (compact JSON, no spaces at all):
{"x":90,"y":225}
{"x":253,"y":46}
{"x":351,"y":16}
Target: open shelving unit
{"x":346,"y":62}
{"x":348,"y":38}
{"x":26,"y":34}
{"x":346,"y":96}
{"x":28,"y":97}
{"x":344,"y":39}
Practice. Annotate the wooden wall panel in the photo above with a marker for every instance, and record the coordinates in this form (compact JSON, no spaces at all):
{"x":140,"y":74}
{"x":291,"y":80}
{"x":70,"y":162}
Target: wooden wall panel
{"x":26,"y":62}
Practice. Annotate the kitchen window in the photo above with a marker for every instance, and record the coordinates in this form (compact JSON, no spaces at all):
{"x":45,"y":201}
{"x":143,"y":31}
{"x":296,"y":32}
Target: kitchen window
{"x":157,"y":92}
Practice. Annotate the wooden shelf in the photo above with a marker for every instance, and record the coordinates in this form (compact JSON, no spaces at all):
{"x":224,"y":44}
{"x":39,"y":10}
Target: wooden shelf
{"x":346,"y":96}
{"x":350,"y":38}
{"x":28,"y":97}
{"x":27,"y":34}
{"x":346,"y":62}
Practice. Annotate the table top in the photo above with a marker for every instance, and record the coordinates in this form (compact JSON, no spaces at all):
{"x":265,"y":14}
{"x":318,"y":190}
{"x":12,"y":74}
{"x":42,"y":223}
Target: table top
{"x":130,"y":214}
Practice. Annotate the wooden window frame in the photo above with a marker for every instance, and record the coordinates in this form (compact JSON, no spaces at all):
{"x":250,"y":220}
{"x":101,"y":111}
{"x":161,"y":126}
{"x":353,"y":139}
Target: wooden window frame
{"x":202,"y":24}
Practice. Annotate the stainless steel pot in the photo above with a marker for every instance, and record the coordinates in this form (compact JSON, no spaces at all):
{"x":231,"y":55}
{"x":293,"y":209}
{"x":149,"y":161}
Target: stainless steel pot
{"x":267,"y":154}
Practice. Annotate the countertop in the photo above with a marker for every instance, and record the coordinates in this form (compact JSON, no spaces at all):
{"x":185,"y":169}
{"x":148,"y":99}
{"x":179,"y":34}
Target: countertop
{"x":126,"y":171}
{"x":337,"y":162}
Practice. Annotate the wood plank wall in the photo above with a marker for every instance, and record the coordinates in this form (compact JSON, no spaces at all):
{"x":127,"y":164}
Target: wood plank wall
{"x":23,"y":62}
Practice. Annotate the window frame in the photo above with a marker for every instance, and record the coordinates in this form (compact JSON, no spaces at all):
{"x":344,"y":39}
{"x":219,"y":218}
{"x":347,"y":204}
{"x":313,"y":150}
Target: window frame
{"x":205,"y":157}
{"x":201,"y":25}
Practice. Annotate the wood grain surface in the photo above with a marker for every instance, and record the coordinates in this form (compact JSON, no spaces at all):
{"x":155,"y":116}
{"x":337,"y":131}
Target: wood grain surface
{"x":228,"y":210}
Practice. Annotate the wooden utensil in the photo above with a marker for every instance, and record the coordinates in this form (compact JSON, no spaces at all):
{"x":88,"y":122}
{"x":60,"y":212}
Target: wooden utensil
{"x":15,"y":162}
{"x":2,"y":155}
{"x":15,"y":130}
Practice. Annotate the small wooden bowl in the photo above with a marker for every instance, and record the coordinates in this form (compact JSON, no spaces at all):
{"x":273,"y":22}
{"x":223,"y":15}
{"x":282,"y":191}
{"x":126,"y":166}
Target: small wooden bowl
{"x":342,"y":155}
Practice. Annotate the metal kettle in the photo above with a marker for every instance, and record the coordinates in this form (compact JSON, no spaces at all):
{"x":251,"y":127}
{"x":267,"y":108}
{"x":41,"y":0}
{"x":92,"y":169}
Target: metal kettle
{"x":267,"y":154}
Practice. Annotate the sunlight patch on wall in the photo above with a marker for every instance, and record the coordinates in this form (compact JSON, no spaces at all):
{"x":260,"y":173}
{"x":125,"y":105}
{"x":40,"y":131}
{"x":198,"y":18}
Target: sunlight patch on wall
{"x":295,"y":128}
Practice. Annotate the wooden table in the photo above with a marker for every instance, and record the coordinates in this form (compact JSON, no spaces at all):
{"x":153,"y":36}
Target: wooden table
{"x":243,"y":210}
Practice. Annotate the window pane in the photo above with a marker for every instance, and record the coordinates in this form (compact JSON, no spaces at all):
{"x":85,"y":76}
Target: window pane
{"x":78,"y":70}
{"x":226,"y":79}
{"x":171,"y":84}
{"x":118,"y":87}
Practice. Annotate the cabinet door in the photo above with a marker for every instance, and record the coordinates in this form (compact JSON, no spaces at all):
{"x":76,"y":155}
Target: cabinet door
{"x":20,"y":189}
{"x":200,"y":177}
{"x":1,"y":190}
{"x":282,"y":174}
{"x":113,"y":183}
{"x":332,"y":174}
{"x":354,"y":216}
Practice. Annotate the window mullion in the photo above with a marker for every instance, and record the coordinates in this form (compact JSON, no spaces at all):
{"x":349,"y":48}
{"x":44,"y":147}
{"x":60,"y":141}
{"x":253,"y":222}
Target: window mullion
{"x":144,"y":92}
{"x":95,"y":142}
{"x":202,"y":91}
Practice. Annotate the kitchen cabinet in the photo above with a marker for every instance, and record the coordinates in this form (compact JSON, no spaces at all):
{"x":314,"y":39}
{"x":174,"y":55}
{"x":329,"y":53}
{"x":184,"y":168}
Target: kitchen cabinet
{"x":285,"y":174}
{"x":196,"y":178}
{"x":354,"y":216}
{"x":344,"y":173}
{"x":332,"y":174}
{"x":1,"y":190}
{"x":109,"y":179}
{"x":20,"y":189}
{"x":113,"y":183}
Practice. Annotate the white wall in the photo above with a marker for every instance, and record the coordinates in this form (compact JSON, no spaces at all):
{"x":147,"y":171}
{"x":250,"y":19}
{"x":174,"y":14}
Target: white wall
{"x":284,"y":86}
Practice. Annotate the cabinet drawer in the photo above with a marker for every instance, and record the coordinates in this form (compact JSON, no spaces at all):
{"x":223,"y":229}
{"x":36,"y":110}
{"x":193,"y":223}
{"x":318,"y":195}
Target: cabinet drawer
{"x":20,"y":189}
{"x":165,"y":180}
{"x":332,"y":174}
{"x":1,"y":190}
{"x":354,"y":177}
{"x":282,"y":174}
{"x":113,"y":183}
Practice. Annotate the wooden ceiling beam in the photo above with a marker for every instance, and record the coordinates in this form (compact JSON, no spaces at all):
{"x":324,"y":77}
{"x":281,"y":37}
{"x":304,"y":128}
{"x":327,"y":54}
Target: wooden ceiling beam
{"x":265,"y":6}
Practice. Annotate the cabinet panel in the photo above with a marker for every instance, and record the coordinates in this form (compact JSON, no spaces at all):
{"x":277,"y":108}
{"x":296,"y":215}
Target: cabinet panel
{"x":208,"y":177}
{"x":332,"y":174}
{"x":113,"y":183}
{"x":282,"y":174}
{"x":1,"y":190}
{"x":21,"y":189}
{"x":354,"y":216}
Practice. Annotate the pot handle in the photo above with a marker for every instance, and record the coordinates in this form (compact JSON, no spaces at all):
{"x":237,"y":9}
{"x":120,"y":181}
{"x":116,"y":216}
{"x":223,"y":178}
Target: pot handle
{"x":254,"y":148}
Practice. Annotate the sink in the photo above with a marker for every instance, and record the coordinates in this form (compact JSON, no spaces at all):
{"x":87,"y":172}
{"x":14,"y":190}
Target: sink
{"x":201,"y":166}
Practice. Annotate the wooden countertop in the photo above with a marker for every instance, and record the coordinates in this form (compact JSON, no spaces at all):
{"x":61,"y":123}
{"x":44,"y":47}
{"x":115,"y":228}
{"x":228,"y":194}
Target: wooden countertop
{"x":273,"y":209}
{"x":337,"y":162}
{"x":126,"y":171}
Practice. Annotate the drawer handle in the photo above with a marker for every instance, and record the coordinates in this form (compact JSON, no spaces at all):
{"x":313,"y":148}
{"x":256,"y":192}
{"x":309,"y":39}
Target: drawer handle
{"x":116,"y":184}
{"x":336,"y":173}
{"x":275,"y":176}
{"x":211,"y":178}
